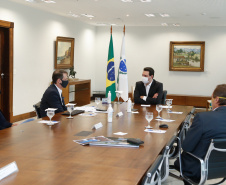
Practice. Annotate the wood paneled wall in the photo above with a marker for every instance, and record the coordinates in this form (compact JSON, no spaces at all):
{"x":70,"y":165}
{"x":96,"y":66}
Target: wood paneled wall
{"x":197,"y":101}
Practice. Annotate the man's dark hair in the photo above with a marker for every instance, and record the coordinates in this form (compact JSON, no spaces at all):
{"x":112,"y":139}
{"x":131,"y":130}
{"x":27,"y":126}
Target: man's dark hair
{"x":220,"y":91}
{"x":150,"y":70}
{"x":58,"y":74}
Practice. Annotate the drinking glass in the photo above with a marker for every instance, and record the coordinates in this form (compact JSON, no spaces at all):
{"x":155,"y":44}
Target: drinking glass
{"x":169,"y":103}
{"x":70,"y":108}
{"x":50,"y":114}
{"x":97,"y":100}
{"x":149,"y":117}
{"x":159,"y":109}
{"x":118,"y":94}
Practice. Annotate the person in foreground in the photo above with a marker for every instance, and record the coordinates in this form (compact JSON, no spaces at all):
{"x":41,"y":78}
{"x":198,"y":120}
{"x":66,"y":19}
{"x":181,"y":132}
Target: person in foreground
{"x":206,"y":126}
{"x":148,"y":91}
{"x":4,"y":123}
{"x":52,"y":97}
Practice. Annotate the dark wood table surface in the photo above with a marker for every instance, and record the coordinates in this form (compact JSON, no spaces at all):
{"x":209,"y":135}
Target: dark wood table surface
{"x":47,"y":154}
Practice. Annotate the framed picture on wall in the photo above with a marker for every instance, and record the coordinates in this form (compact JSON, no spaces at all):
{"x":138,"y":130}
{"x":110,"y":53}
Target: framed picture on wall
{"x":187,"y":56}
{"x":64,"y":53}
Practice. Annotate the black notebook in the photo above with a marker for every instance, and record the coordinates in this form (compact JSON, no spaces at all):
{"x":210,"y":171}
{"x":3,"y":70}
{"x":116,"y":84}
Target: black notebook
{"x":74,"y":112}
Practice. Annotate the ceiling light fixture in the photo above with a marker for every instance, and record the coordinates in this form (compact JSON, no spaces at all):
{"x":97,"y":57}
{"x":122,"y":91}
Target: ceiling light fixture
{"x":127,"y":1}
{"x":176,"y":24}
{"x":164,"y":24}
{"x":87,"y":15}
{"x":164,"y":15}
{"x":31,"y":1}
{"x":73,"y":15}
{"x":48,"y":1}
{"x":145,"y":1}
{"x":150,"y":15}
{"x":101,"y":24}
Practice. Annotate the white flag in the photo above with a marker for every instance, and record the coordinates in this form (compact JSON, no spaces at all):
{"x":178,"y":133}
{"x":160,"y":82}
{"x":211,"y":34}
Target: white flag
{"x":122,"y":73}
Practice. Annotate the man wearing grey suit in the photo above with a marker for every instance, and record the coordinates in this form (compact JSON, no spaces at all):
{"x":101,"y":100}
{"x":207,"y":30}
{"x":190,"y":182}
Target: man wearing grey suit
{"x":206,"y":126}
{"x":148,"y":91}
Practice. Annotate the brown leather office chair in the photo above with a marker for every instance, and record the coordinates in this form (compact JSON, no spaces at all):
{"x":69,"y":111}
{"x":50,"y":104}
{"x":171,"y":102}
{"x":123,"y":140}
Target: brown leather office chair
{"x":37,"y":109}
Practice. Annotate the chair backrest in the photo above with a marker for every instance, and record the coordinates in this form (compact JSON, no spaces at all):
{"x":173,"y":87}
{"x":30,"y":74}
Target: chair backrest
{"x":176,"y":149}
{"x":166,"y":153}
{"x":37,"y":109}
{"x":216,"y":159}
{"x":153,"y":175}
{"x":132,"y":93}
{"x":163,"y":101}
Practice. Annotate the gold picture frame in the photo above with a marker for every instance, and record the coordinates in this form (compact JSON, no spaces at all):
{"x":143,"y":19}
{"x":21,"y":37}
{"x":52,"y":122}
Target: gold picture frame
{"x":64,"y":53}
{"x":187,"y":56}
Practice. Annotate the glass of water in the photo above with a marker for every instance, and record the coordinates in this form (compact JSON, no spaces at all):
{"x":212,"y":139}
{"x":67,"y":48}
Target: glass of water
{"x":97,"y":100}
{"x":169,"y":103}
{"x":159,"y":109}
{"x":149,"y":117}
{"x":70,"y":108}
{"x":50,"y":114}
{"x":118,"y":94}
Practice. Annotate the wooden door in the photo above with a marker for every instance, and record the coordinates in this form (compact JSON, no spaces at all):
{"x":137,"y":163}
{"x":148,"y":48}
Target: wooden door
{"x":6,"y":69}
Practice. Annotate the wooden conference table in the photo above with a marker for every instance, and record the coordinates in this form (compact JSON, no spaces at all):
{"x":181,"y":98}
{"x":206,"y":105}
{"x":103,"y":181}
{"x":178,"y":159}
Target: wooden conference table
{"x":47,"y":155}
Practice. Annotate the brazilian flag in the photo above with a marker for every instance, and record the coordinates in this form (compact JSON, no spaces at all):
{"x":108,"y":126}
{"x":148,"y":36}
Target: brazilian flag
{"x":110,"y":78}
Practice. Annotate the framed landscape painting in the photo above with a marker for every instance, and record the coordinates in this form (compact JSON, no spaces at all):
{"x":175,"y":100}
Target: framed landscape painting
{"x":64,"y":53}
{"x":187,"y":56}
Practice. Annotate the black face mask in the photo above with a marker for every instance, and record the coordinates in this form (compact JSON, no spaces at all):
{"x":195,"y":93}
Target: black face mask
{"x":64,"y":83}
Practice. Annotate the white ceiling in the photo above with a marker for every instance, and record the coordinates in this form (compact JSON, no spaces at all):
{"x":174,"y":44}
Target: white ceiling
{"x":183,"y":12}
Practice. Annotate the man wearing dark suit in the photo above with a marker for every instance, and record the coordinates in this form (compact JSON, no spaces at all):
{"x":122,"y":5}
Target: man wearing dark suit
{"x":148,"y":91}
{"x":52,"y":98}
{"x":206,"y":126}
{"x":3,"y":122}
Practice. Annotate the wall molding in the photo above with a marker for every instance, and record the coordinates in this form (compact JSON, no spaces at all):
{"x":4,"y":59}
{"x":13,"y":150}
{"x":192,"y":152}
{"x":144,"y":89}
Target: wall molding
{"x":24,"y":116}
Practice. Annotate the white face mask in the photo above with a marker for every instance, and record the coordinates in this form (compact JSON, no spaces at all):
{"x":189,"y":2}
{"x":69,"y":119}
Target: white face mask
{"x":145,"y":80}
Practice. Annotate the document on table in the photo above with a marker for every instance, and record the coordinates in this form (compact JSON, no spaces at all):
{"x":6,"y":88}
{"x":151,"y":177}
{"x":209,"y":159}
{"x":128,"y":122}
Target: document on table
{"x":120,"y":133}
{"x":88,"y":114}
{"x":165,"y":120}
{"x":86,"y":108}
{"x":166,"y":106}
{"x":48,"y":122}
{"x":155,"y":131}
{"x":174,"y":112}
{"x":90,"y":109}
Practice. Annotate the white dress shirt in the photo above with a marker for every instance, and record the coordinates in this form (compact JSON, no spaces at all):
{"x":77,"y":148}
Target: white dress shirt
{"x":60,"y":93}
{"x":147,"y":87}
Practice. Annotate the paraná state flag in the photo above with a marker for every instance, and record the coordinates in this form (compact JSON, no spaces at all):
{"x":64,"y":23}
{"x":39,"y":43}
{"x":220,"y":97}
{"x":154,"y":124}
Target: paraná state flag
{"x":122,"y":73}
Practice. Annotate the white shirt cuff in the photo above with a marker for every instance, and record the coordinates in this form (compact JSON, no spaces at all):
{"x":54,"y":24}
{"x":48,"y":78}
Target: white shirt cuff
{"x":144,"y":98}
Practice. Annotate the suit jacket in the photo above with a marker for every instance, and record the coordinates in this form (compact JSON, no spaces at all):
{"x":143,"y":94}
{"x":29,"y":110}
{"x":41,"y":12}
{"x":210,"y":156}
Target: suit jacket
{"x":140,"y":90}
{"x":206,"y":126}
{"x":51,"y":99}
{"x":3,"y":122}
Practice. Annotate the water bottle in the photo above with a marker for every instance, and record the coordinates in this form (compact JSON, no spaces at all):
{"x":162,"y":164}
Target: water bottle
{"x":129,"y":105}
{"x":109,"y":97}
{"x":110,"y":113}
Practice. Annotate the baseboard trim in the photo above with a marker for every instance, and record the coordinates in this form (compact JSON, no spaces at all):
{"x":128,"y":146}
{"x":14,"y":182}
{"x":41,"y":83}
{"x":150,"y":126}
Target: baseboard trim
{"x":23,"y":116}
